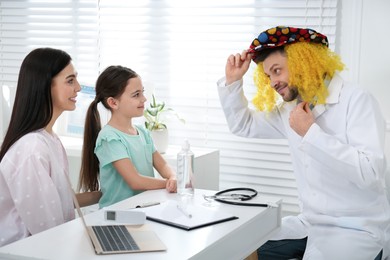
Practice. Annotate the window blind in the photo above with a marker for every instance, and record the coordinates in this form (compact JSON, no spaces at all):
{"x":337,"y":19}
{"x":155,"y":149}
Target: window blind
{"x":63,"y":24}
{"x":179,"y":48}
{"x":29,"y":24}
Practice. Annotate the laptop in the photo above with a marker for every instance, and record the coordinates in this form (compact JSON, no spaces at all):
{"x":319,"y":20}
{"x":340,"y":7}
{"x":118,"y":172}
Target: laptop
{"x":119,"y":239}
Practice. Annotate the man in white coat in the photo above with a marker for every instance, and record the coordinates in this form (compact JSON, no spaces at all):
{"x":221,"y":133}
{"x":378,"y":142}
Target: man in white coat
{"x":336,"y":134}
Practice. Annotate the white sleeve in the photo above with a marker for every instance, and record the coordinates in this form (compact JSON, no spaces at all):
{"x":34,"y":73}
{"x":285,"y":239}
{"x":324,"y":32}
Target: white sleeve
{"x":242,"y":120}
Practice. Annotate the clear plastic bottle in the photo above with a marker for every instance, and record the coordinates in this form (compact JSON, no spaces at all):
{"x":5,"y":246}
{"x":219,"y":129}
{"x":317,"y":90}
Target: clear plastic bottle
{"x":185,"y":170}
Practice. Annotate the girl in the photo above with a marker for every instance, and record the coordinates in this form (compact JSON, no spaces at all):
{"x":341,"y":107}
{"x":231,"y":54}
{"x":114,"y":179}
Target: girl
{"x":121,"y":154}
{"x":34,"y":192}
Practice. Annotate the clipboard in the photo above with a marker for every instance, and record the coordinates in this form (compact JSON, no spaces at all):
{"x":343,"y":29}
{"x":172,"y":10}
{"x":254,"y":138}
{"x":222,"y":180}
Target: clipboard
{"x":169,"y":214}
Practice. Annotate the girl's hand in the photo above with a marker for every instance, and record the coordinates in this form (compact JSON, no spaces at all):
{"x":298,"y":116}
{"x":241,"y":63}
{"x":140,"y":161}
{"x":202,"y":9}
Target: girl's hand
{"x":171,"y":185}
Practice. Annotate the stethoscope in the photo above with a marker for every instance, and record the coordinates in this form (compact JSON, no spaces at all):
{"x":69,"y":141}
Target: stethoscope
{"x":236,"y":198}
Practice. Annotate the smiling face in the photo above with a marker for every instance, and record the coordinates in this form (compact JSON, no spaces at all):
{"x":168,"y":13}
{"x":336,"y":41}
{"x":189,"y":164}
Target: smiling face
{"x":64,"y":88}
{"x":276,"y":68}
{"x":132,"y":102}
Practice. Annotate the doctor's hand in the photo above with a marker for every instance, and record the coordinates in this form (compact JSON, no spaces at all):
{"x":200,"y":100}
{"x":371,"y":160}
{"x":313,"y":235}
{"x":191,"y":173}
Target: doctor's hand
{"x":236,"y":66}
{"x":301,"y":118}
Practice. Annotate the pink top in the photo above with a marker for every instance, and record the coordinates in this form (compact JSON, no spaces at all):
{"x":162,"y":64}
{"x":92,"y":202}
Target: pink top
{"x":34,"y":192}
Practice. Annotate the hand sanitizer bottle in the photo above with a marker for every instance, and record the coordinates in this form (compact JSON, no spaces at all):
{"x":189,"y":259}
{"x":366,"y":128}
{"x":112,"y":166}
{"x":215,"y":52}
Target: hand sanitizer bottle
{"x":185,"y":170}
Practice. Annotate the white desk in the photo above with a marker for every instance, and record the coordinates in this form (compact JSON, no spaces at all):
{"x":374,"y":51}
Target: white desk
{"x":234,"y":239}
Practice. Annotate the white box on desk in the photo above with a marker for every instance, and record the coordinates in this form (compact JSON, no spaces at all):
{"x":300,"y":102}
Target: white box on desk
{"x":206,"y":166}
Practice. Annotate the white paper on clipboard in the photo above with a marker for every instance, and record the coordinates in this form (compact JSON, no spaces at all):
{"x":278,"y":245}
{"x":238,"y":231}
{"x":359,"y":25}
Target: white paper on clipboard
{"x":168,"y":213}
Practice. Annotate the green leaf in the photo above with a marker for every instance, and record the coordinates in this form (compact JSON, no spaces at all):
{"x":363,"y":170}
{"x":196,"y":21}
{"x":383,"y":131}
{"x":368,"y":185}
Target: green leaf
{"x":152,"y":111}
{"x":153,"y":114}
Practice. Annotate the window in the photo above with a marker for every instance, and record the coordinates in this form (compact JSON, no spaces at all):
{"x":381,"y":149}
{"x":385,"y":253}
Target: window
{"x":29,"y":24}
{"x":179,"y":48}
{"x":75,"y":121}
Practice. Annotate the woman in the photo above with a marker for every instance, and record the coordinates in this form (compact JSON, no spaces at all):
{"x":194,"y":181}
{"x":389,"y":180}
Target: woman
{"x":34,"y":191}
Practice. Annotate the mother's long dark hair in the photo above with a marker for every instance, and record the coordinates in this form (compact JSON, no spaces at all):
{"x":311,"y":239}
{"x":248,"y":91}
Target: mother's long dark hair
{"x":33,"y":106}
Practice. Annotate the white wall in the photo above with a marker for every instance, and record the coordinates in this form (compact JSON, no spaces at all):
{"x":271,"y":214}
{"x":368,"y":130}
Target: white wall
{"x":364,"y":41}
{"x":375,"y":55}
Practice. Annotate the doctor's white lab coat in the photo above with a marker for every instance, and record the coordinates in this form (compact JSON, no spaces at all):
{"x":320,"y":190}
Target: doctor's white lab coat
{"x":339,"y":167}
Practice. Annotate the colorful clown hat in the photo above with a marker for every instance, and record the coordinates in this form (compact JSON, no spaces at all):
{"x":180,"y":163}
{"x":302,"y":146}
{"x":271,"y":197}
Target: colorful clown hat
{"x":281,"y":35}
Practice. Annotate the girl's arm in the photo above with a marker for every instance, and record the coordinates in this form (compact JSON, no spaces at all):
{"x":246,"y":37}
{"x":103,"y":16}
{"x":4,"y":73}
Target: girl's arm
{"x":135,"y":180}
{"x":165,"y":171}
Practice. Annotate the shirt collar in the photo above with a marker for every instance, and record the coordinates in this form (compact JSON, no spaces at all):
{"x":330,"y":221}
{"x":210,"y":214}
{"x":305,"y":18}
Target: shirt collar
{"x":334,"y":89}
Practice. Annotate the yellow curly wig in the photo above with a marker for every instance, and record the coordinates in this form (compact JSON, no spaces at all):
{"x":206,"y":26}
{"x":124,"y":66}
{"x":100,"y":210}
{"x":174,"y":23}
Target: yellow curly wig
{"x":309,"y":65}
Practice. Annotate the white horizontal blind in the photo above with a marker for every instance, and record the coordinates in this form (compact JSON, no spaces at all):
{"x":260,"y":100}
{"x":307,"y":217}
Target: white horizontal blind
{"x":179,"y":48}
{"x":64,"y":24}
{"x":70,"y":25}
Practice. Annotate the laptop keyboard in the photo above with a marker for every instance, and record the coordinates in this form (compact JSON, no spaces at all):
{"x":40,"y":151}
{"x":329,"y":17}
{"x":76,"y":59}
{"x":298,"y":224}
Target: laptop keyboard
{"x":115,"y":238}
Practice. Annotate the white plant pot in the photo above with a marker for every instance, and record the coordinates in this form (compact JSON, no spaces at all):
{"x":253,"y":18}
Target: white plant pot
{"x":160,"y":139}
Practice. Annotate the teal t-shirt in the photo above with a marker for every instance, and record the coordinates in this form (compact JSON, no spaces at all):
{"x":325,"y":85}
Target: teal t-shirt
{"x":113,"y":145}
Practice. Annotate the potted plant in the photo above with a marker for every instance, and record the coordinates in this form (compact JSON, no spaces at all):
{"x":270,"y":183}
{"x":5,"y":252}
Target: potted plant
{"x":155,"y":116}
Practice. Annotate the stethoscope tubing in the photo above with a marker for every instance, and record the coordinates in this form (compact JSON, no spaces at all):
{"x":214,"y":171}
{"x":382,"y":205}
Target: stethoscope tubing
{"x":240,"y":197}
